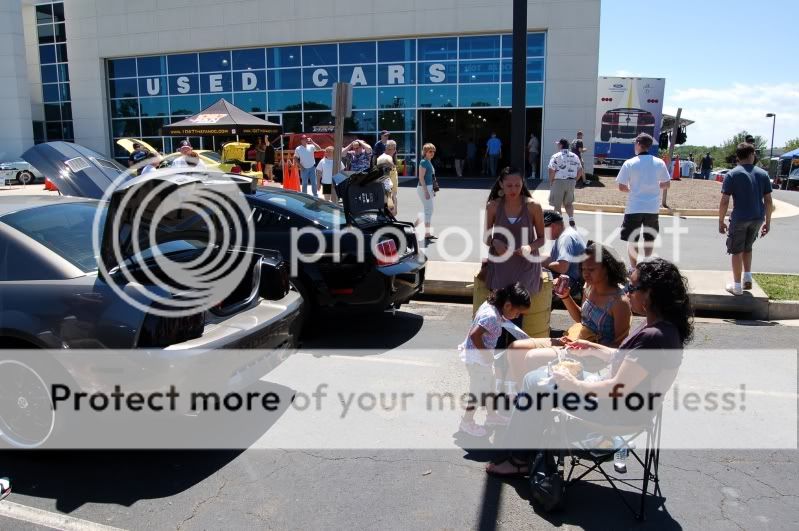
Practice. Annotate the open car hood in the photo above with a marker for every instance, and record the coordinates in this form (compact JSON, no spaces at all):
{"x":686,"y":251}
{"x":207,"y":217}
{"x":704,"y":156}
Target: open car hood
{"x":364,"y":193}
{"x":76,"y":170}
{"x":127,"y":144}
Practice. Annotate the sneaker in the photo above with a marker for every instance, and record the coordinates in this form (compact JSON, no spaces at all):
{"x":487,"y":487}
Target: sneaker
{"x":495,"y":419}
{"x":732,"y":289}
{"x":5,"y":487}
{"x":747,"y":285}
{"x":472,"y":428}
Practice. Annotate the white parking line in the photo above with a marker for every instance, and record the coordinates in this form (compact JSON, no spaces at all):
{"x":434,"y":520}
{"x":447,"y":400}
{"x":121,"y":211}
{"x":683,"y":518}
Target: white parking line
{"x":49,"y":519}
{"x":386,"y":360}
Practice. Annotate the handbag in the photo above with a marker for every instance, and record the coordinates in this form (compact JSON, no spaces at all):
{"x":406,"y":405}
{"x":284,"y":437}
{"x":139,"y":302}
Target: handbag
{"x":436,"y":187}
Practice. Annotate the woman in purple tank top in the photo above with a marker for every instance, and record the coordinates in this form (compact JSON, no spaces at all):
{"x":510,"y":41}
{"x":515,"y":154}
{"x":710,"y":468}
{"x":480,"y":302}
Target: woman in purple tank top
{"x":514,"y":233}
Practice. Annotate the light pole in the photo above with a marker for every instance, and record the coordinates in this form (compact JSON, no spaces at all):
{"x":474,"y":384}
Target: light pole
{"x":773,"y":123}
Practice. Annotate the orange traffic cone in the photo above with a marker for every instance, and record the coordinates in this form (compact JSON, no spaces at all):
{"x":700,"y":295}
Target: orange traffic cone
{"x":49,"y":186}
{"x":675,"y":176}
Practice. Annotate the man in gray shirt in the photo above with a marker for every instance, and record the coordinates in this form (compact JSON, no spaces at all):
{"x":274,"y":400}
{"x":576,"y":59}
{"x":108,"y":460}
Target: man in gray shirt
{"x":567,"y":250}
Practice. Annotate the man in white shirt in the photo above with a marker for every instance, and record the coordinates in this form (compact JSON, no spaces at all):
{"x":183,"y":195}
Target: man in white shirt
{"x":188,"y":158}
{"x":643,"y":177}
{"x":305,"y":152}
{"x":324,"y":172}
{"x":565,"y":169}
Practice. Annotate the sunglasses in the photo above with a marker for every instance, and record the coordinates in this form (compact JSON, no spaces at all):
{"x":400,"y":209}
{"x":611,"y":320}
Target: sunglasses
{"x":629,"y":288}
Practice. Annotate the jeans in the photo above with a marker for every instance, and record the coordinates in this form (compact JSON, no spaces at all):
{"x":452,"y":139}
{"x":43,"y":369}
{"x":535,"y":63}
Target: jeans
{"x":706,"y":174}
{"x":493,"y":162}
{"x":427,"y":204}
{"x":308,"y":175}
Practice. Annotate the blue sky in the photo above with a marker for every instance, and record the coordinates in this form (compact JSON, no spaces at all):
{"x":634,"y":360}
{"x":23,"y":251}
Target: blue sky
{"x":728,"y":68}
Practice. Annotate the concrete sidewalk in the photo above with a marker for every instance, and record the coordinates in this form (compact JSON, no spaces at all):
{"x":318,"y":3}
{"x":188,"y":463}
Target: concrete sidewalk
{"x":456,"y":279}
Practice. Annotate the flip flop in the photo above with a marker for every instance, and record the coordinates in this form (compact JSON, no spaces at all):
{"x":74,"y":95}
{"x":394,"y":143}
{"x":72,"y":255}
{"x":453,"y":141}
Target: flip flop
{"x":5,"y":487}
{"x":522,"y":470}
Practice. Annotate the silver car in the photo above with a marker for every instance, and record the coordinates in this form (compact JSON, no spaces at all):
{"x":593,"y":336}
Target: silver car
{"x":18,"y":171}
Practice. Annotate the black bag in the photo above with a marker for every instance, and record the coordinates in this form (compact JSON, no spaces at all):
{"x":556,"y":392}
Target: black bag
{"x":546,"y":481}
{"x":436,"y":187}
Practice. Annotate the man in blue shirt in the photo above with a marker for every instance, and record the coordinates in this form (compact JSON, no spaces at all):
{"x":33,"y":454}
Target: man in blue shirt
{"x":567,"y":250}
{"x":750,"y":189}
{"x":494,"y":153}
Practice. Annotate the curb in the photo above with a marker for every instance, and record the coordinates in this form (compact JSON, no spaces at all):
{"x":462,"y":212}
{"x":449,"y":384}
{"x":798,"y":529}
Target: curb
{"x":616,"y":209}
{"x":783,"y":310}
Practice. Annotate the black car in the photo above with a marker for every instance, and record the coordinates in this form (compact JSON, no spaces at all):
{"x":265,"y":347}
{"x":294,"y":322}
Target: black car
{"x":355,"y":256}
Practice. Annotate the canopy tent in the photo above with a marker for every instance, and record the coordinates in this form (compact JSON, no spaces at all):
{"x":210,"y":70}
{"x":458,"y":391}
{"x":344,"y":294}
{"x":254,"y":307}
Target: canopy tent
{"x":790,"y":155}
{"x":221,"y":118}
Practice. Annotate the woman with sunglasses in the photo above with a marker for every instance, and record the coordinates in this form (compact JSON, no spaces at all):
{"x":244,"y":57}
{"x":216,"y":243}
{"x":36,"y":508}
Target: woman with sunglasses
{"x":657,"y":291}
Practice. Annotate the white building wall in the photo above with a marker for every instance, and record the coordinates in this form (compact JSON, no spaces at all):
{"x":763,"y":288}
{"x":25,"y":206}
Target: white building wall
{"x":16,"y":133}
{"x":99,"y":29}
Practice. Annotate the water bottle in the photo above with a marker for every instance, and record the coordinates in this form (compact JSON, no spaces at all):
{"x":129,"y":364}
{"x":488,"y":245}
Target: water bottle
{"x":620,"y":457}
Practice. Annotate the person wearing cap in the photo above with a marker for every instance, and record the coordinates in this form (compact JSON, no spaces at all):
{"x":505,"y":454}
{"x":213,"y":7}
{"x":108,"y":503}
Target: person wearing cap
{"x":380,"y":147}
{"x":305,"y":152}
{"x":567,"y":248}
{"x":643,"y":177}
{"x":565,"y":169}
{"x":188,"y":158}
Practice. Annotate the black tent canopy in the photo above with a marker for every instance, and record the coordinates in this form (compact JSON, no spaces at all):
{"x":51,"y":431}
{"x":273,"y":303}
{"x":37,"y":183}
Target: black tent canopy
{"x":221,"y":118}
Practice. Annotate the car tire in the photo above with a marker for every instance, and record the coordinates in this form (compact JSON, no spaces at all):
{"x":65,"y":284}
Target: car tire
{"x":308,"y":308}
{"x":25,"y":177}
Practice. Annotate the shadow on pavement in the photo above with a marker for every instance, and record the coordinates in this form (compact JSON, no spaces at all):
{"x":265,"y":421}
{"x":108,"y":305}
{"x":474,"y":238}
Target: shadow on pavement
{"x":76,"y":477}
{"x":378,"y":332}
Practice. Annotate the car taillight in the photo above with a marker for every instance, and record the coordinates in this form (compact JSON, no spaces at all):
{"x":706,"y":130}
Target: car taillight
{"x":157,"y":331}
{"x":386,"y":252}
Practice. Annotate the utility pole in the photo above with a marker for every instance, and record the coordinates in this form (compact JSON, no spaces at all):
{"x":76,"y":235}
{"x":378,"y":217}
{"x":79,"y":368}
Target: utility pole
{"x":672,"y":143}
{"x":342,"y":108}
{"x":519,"y":94}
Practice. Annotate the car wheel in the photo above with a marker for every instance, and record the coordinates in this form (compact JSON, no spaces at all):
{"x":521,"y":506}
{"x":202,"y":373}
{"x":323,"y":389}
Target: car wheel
{"x":25,"y":177}
{"x":27,"y":415}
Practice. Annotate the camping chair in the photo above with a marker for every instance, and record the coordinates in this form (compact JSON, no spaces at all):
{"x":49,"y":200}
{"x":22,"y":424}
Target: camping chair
{"x":582,"y":461}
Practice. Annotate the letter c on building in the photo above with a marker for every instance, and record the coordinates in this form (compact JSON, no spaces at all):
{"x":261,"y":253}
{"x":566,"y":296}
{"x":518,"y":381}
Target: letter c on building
{"x":319,"y":77}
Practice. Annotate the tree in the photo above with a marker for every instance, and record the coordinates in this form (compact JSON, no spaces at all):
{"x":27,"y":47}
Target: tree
{"x":792,"y":144}
{"x":729,"y":146}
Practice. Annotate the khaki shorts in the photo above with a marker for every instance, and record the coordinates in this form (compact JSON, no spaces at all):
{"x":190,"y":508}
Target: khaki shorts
{"x":741,"y":236}
{"x":561,"y":193}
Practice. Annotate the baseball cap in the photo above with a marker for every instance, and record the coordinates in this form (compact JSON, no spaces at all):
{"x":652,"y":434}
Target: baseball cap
{"x":564,"y":144}
{"x":550,"y":217}
{"x":383,"y":133}
{"x":185,"y":143}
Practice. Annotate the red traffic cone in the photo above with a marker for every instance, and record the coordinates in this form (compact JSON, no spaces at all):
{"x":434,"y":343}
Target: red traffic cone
{"x":675,"y":176}
{"x":49,"y":186}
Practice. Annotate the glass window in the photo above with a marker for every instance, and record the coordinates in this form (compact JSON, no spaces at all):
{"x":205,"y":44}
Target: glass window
{"x":38,"y":132}
{"x":535,"y":45}
{"x":363,"y":98}
{"x":314,"y":100}
{"x":52,"y":112}
{"x":218,"y":82}
{"x":61,"y":53}
{"x":253,"y":59}
{"x":69,"y":134}
{"x":507,"y":46}
{"x":319,"y":54}
{"x":47,"y":54}
{"x":122,"y":128}
{"x":396,"y":51}
{"x":184,"y":104}
{"x":312,"y":119}
{"x":283,"y":57}
{"x":58,"y":12}
{"x":507,"y":71}
{"x":152,"y":126}
{"x":123,"y":88}
{"x":438,"y":49}
{"x":250,"y":101}
{"x":250,"y":80}
{"x":157,"y":142}
{"x":186,"y":84}
{"x":396,"y":74}
{"x":283,"y":79}
{"x":124,"y":108}
{"x":54,"y":131}
{"x":44,"y":14}
{"x":359,"y":75}
{"x":479,"y":72}
{"x":46,"y":34}
{"x":356,"y":53}
{"x":50,"y":93}
{"x":479,"y":47}
{"x":440,"y":96}
{"x":154,"y":106}
{"x":434,"y":73}
{"x":66,"y":111}
{"x":64,"y":90}
{"x":151,"y":66}
{"x":292,"y":121}
{"x":318,"y":77}
{"x":290,"y":100}
{"x":396,"y":97}
{"x":182,"y":63}
{"x":209,"y":99}
{"x":478,"y":96}
{"x":535,"y":94}
{"x":152,"y":86}
{"x":406,"y":143}
{"x":49,"y":74}
{"x":60,"y":33}
{"x":63,"y":73}
{"x":506,"y":94}
{"x":214,"y":61}
{"x":361,"y":121}
{"x":535,"y":70}
{"x":397,"y":120}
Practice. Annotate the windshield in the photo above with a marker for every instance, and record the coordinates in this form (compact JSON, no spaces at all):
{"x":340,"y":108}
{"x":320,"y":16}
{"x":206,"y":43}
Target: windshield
{"x":213,"y":155}
{"x":327,"y":214}
{"x":65,"y":229}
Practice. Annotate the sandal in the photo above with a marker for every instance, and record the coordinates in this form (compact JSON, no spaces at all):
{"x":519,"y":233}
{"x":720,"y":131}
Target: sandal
{"x":520,"y":470}
{"x":5,"y":487}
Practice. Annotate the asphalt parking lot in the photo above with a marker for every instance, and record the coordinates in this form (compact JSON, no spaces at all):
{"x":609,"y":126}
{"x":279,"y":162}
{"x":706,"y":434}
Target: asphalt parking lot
{"x":304,"y":488}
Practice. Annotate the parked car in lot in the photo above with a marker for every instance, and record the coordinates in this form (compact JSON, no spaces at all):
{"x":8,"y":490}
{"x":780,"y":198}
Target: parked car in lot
{"x":54,"y":295}
{"x":718,"y":174}
{"x":18,"y":171}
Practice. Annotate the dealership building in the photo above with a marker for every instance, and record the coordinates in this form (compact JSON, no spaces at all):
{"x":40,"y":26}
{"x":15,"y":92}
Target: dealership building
{"x":93,"y":71}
